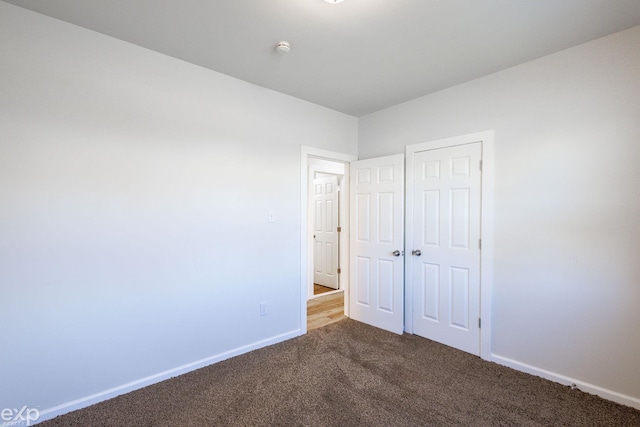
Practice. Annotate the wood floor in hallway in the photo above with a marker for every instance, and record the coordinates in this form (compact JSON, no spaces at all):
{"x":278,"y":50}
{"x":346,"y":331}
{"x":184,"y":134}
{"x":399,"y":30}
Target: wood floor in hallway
{"x":325,"y":310}
{"x":319,"y":289}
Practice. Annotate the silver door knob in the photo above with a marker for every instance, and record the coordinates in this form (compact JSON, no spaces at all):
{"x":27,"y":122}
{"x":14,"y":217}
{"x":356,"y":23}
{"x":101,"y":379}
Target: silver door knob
{"x":396,"y":253}
{"x":416,"y":252}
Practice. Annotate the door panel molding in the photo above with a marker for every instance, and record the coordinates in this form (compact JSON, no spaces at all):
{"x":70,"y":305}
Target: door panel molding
{"x":486,"y":139}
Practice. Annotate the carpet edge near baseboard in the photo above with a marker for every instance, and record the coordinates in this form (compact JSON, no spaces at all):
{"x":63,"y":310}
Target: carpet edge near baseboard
{"x":583,"y":386}
{"x":110,"y":393}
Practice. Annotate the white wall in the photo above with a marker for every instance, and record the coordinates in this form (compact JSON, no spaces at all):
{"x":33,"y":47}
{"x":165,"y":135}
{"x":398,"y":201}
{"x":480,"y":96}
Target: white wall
{"x":567,"y":203}
{"x":134,"y":191}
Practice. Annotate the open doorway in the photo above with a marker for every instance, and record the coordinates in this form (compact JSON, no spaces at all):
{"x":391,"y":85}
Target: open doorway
{"x":326,"y":180}
{"x":325,"y":231}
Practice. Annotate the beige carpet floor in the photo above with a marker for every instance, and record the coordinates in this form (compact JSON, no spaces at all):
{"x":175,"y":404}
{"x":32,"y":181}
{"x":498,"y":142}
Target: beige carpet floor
{"x":351,"y":374}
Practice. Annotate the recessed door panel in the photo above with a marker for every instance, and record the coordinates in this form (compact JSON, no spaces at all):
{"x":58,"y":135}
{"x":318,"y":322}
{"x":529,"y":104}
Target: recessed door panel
{"x":385,"y":285}
{"x":431,"y":170}
{"x":459,"y":297}
{"x":330,"y":266}
{"x":363,"y":281}
{"x":363,"y":215}
{"x":459,"y":220}
{"x":363,"y":176}
{"x":330,"y":226}
{"x":386,"y":218}
{"x":319,"y":217}
{"x":460,"y":166}
{"x":318,"y":258}
{"x":385,"y":174}
{"x":430,"y":296}
{"x":431,"y":208}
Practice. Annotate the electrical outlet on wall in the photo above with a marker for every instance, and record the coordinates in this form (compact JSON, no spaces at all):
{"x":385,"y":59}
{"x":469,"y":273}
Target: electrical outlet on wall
{"x":271,"y":216}
{"x":263,"y":308}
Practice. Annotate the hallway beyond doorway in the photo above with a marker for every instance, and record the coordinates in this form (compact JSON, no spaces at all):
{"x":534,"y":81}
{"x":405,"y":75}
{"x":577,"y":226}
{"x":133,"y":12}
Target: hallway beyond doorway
{"x":325,"y":310}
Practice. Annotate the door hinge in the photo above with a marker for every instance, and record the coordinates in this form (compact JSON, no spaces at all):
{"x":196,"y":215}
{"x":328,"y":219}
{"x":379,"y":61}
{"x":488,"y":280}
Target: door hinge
{"x":339,"y":229}
{"x":479,"y":243}
{"x":479,"y":323}
{"x":480,"y":164}
{"x":339,"y":270}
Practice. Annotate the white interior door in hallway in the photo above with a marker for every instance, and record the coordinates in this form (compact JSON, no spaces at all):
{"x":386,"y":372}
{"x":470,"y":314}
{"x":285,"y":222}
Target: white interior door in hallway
{"x":325,"y":231}
{"x":377,"y":242}
{"x":445,"y":247}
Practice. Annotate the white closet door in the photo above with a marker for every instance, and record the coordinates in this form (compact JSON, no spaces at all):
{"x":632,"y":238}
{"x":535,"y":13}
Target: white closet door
{"x":445,"y":257}
{"x":377,"y":242}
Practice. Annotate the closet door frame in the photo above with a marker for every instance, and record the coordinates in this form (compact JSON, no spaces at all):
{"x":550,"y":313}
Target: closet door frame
{"x":486,"y":138}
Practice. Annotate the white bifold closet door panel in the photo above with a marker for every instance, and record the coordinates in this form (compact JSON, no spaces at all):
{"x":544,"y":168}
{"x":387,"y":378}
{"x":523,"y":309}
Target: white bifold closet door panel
{"x":377,"y":242}
{"x":445,"y":256}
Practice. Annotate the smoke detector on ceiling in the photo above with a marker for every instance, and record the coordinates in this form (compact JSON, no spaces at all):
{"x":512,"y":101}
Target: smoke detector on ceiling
{"x":334,"y":1}
{"x":283,"y":47}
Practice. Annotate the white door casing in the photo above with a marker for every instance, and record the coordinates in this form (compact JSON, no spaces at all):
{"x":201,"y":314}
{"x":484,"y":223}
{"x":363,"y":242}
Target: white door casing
{"x":325,"y":231}
{"x":308,"y":158}
{"x":376,"y":232}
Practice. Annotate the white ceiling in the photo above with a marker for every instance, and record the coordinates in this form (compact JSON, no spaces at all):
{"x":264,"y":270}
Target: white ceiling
{"x":359,"y":56}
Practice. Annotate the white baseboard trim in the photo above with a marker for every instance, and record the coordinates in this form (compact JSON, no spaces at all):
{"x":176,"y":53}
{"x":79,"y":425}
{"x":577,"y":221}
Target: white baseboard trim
{"x":83,"y":402}
{"x":614,"y":396}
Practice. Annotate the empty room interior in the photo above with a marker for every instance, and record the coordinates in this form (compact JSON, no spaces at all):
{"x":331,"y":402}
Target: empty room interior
{"x":178,"y":180}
